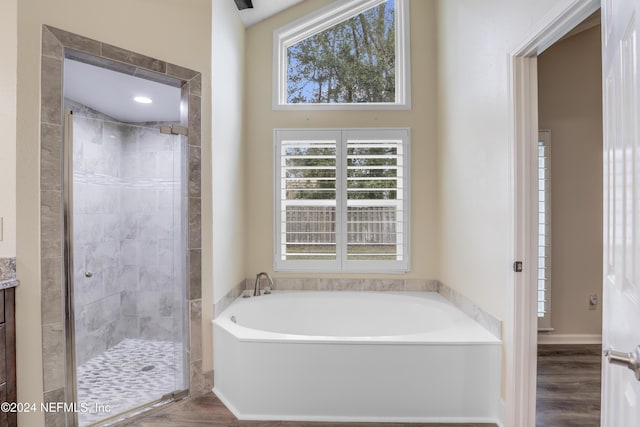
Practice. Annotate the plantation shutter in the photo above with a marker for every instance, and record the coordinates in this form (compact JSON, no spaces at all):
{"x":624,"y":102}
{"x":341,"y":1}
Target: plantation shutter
{"x":375,"y":196}
{"x":341,"y":199}
{"x":307,"y":196}
{"x":544,"y":231}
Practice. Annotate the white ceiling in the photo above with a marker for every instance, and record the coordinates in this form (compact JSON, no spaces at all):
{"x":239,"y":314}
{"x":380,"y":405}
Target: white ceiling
{"x":112,"y":93}
{"x":262,"y":9}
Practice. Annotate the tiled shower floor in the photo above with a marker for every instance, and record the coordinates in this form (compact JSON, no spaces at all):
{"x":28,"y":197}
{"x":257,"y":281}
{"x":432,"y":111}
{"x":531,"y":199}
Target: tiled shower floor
{"x":130,"y":374}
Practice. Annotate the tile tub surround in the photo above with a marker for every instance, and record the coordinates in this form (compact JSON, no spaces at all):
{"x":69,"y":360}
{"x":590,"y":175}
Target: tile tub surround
{"x":56,"y":45}
{"x":351,"y":284}
{"x":226,"y":300}
{"x":468,"y":307}
{"x":486,"y":320}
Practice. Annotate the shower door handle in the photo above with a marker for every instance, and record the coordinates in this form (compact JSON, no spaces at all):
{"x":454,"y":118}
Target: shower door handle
{"x":88,"y":274}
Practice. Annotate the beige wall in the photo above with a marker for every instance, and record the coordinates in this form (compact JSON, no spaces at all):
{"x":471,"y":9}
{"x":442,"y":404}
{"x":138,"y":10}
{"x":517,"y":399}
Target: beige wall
{"x":460,"y":194}
{"x":474,"y":152}
{"x":474,"y":146}
{"x":228,"y":147}
{"x":570,"y":105}
{"x":172,"y":30}
{"x":261,"y":119}
{"x":8,"y":47}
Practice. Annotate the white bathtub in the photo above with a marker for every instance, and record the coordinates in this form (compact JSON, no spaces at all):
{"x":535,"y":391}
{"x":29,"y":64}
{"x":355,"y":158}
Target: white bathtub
{"x":354,"y":356}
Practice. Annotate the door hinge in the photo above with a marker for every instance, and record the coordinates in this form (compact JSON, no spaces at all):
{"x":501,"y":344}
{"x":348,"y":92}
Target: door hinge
{"x":517,"y":266}
{"x":174,"y":130}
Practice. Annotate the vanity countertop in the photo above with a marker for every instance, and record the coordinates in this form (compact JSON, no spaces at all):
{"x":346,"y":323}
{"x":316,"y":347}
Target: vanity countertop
{"x":6,"y":284}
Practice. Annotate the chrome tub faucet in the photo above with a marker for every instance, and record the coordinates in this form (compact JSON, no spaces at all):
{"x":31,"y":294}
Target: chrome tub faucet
{"x":267,"y":290}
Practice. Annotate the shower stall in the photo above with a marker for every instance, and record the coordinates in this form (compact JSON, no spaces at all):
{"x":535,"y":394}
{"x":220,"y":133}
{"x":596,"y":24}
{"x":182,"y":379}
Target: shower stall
{"x":125,"y":252}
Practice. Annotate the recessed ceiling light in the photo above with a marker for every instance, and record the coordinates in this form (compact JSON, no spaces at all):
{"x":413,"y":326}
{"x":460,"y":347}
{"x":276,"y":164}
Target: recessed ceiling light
{"x":143,"y":100}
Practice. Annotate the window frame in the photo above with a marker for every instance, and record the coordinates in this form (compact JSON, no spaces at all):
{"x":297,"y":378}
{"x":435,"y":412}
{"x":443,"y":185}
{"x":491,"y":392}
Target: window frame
{"x":341,"y":264}
{"x":323,"y":19}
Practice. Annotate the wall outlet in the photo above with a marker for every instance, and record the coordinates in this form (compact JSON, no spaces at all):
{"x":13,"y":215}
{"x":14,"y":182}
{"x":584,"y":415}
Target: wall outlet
{"x":593,"y":301}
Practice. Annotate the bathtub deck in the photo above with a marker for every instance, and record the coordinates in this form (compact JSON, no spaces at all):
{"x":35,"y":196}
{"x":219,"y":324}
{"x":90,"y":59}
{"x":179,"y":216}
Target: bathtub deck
{"x":208,"y":411}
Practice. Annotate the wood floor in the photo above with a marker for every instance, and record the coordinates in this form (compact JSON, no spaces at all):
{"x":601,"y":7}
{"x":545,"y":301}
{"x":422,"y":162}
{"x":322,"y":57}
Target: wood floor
{"x":209,"y":411}
{"x":568,"y":396}
{"x":568,"y":392}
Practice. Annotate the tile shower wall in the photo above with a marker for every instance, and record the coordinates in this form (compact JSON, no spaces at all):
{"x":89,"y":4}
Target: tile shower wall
{"x":127,"y":211}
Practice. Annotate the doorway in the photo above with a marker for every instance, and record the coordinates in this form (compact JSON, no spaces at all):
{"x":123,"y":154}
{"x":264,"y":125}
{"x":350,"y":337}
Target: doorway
{"x":569,"y":75}
{"x":522,"y":333}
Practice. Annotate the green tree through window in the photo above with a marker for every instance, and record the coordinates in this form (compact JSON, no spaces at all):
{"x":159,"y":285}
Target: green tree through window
{"x":351,"y":62}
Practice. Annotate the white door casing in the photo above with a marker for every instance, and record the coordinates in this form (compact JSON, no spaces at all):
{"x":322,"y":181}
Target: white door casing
{"x":621,"y":269}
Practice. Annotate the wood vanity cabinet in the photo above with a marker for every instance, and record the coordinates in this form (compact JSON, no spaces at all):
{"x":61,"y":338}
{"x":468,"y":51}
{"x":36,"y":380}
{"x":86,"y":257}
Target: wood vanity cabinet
{"x":7,"y":355}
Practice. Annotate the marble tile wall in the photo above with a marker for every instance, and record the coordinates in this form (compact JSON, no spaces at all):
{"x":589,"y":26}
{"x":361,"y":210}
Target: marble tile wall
{"x":226,"y":300}
{"x":330,"y":284}
{"x":471,"y":309}
{"x":127,"y":222}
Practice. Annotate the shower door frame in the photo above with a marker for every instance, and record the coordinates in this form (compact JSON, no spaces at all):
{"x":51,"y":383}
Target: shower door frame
{"x":56,"y":308}
{"x":70,"y":274}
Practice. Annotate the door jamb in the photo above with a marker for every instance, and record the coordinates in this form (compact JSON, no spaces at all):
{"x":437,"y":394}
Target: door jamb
{"x":521,"y":326}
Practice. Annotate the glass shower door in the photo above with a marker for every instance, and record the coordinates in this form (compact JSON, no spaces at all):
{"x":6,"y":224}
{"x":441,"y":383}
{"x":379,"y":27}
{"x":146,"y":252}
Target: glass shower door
{"x":128,"y":253}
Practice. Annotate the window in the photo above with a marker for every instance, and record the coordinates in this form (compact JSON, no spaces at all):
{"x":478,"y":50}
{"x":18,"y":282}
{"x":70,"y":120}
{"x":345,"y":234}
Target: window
{"x":342,"y":200}
{"x":349,"y":55}
{"x":544,"y":231}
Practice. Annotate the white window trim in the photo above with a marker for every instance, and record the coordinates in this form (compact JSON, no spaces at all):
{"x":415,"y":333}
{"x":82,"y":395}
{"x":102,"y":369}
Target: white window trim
{"x":341,"y":264}
{"x":323,"y":19}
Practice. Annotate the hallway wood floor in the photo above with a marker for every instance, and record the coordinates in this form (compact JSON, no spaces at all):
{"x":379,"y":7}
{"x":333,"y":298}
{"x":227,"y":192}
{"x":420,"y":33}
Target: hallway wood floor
{"x":568,"y":395}
{"x":568,"y":391}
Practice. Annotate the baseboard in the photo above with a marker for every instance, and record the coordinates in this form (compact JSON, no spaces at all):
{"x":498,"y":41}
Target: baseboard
{"x":547,"y":338}
{"x":303,"y":419}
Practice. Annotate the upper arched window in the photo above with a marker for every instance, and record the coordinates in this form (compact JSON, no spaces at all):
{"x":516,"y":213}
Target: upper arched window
{"x":349,"y":55}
